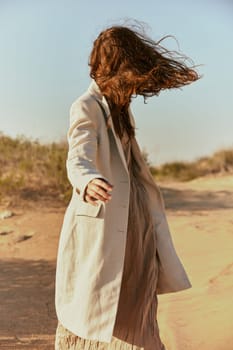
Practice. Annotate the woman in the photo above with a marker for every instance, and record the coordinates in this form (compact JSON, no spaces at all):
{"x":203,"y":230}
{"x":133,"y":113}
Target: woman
{"x":115,"y":251}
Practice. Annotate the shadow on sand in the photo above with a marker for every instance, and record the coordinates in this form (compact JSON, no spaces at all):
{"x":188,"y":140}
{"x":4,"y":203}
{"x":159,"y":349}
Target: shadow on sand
{"x":191,"y":200}
{"x":27,"y":303}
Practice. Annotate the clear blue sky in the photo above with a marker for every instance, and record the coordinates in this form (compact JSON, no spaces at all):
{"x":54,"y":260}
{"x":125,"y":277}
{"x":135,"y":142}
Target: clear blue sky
{"x":44,"y":49}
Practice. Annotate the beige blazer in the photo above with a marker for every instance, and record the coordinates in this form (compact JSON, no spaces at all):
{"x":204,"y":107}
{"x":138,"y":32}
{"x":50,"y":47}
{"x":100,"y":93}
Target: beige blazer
{"x":92,"y":241}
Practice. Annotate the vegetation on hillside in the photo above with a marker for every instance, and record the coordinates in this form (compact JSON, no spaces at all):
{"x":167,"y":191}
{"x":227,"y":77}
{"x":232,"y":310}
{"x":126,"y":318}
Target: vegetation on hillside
{"x":31,"y":170}
{"x":220,"y":162}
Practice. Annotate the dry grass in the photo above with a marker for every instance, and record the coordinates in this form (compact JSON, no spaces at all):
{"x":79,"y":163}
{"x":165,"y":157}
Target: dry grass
{"x":219,"y":162}
{"x":31,"y":170}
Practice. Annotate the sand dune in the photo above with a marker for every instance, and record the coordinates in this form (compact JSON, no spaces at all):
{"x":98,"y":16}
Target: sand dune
{"x":200,"y":215}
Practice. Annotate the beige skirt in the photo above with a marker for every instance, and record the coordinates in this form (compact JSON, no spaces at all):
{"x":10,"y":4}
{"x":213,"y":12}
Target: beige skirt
{"x":136,"y":324}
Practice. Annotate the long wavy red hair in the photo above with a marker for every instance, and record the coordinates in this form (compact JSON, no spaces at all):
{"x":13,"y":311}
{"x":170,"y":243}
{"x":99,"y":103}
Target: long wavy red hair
{"x":124,"y":62}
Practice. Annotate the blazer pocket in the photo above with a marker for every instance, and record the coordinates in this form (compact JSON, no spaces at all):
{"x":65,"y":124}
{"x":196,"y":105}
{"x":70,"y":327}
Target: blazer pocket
{"x":87,"y":209}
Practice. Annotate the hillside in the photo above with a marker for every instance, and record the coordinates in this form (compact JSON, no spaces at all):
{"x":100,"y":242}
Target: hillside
{"x":30,"y":170}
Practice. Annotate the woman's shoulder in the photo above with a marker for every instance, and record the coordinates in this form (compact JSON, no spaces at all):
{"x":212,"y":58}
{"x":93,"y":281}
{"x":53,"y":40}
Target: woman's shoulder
{"x":84,"y":101}
{"x":85,"y":107}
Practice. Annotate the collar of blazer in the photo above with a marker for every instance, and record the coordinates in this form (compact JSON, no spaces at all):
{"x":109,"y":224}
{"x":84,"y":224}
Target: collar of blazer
{"x":95,"y":91}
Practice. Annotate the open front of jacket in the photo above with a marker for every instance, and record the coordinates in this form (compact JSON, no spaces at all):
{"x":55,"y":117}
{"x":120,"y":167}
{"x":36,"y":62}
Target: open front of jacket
{"x":93,"y":238}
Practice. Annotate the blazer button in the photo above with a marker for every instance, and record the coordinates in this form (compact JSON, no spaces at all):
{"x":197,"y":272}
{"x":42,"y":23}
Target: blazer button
{"x":122,"y":231}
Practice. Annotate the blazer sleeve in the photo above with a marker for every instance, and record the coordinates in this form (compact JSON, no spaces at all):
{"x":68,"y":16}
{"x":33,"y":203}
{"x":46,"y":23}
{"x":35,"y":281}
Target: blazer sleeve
{"x":82,"y":139}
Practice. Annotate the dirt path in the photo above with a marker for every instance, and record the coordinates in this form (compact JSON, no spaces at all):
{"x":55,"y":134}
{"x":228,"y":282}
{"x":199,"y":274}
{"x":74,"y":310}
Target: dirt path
{"x":200,"y":215}
{"x":28,"y":247}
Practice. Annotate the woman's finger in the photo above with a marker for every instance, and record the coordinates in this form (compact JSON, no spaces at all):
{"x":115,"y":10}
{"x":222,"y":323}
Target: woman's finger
{"x":97,"y":195}
{"x":103,"y":183}
{"x":90,"y":200}
{"x":98,"y":192}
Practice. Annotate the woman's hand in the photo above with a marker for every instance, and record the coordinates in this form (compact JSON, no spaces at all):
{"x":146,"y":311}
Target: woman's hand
{"x":98,"y":189}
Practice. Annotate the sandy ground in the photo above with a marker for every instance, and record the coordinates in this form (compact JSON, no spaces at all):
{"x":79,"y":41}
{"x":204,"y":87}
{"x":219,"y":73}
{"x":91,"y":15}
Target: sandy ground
{"x":200,"y":214}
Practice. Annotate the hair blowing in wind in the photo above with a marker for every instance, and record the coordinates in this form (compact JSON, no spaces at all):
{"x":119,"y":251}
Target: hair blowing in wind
{"x":125,"y":62}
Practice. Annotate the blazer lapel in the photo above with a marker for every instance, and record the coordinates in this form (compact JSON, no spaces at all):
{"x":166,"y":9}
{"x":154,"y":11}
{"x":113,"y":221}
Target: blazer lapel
{"x":94,"y":89}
